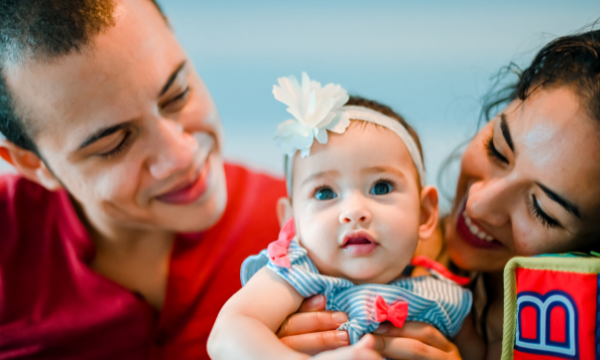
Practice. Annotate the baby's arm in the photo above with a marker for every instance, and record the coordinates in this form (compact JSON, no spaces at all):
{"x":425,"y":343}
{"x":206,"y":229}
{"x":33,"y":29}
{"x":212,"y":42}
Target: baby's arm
{"x":246,"y":325}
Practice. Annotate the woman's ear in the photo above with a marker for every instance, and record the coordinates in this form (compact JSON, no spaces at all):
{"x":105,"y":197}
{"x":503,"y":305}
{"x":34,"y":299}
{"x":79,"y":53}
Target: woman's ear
{"x":284,"y":210}
{"x":429,"y":212}
{"x":29,"y":165}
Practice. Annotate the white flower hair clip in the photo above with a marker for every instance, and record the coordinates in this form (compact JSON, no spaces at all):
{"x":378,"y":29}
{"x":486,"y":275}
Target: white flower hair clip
{"x":319,"y":109}
{"x":315,"y":110}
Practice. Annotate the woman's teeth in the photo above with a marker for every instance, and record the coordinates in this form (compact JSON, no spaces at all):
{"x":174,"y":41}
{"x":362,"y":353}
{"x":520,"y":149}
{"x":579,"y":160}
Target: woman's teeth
{"x":475,"y":230}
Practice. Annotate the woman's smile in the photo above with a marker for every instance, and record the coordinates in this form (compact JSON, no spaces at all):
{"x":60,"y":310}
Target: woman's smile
{"x":472,"y":232}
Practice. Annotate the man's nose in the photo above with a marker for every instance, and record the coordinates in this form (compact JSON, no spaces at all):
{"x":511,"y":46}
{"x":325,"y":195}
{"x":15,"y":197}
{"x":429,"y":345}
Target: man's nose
{"x":173,"y":151}
{"x":355,"y":210}
{"x":489,"y":201}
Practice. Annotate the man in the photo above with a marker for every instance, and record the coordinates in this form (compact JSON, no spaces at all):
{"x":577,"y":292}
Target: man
{"x":118,"y":238}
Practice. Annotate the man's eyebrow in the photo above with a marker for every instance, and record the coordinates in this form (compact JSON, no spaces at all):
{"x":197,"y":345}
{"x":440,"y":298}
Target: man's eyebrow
{"x":172,"y":79}
{"x":566,"y":204}
{"x":102,"y":133}
{"x":319,"y":174}
{"x":506,"y":132}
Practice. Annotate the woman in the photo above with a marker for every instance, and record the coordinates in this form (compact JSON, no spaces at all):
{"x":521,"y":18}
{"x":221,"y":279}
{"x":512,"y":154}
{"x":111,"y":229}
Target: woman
{"x":528,"y":185}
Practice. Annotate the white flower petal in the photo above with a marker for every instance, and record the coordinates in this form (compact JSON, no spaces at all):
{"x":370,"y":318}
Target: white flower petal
{"x":315,"y":111}
{"x":338,"y":124}
{"x":304,"y":152}
{"x":291,"y":127}
{"x":321,"y":135}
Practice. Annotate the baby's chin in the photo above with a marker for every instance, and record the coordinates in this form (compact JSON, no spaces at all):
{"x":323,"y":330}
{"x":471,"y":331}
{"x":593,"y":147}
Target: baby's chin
{"x":372,"y":274}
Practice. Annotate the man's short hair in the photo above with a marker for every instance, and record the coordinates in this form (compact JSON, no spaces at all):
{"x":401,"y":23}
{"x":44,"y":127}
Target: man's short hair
{"x":44,"y":30}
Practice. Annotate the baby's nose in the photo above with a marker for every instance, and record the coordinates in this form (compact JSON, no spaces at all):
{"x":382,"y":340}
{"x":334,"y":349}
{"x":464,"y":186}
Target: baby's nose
{"x":355,"y":215}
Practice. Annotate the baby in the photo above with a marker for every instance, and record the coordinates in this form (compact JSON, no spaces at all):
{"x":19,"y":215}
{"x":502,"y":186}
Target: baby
{"x":357,"y":207}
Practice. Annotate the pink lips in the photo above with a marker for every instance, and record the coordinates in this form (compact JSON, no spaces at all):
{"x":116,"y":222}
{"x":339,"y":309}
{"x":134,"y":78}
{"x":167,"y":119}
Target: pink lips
{"x":189,"y":192}
{"x":359,"y":243}
{"x":469,"y":237}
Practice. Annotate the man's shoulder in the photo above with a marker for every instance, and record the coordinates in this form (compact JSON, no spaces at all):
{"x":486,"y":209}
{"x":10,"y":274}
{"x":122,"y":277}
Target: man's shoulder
{"x":23,"y":203}
{"x":251,"y":204}
{"x":16,"y":188}
{"x":241,"y":179}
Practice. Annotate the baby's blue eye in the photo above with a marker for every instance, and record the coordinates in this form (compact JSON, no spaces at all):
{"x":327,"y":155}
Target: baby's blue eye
{"x":381,"y":188}
{"x":325,"y":194}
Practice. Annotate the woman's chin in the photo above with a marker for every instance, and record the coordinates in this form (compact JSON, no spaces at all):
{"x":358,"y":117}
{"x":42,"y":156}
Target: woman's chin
{"x":472,"y":259}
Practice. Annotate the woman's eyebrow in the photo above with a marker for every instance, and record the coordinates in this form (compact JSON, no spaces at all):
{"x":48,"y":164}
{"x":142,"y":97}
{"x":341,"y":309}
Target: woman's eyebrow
{"x":506,"y":132}
{"x":104,"y":132}
{"x":172,"y":78}
{"x":566,"y":204}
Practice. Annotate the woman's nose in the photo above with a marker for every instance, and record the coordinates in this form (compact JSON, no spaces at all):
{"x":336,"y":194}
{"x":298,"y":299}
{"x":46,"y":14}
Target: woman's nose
{"x":174,"y":150}
{"x":355,"y":211}
{"x":489,"y":201}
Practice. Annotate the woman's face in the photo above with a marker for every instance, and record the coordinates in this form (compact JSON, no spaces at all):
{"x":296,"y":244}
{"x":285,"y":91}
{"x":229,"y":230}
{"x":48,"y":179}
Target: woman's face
{"x":528,"y":183}
{"x":128,"y":127}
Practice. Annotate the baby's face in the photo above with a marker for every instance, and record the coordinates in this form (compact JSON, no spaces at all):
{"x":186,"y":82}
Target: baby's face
{"x":356,"y":204}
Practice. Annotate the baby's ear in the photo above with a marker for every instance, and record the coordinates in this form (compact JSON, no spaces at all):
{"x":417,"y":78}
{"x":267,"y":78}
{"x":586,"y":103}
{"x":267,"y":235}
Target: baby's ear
{"x":284,"y":210}
{"x":429,"y":212}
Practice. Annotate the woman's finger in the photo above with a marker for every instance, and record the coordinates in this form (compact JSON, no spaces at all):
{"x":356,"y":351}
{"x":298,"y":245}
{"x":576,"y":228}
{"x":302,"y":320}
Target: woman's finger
{"x":362,"y":350}
{"x":417,"y":330}
{"x":410,"y":349}
{"x":317,"y":342}
{"x":313,"y":303}
{"x":309,"y":322}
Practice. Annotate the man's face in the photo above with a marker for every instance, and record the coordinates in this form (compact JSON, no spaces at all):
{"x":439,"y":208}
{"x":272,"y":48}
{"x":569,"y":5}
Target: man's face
{"x":128,"y":127}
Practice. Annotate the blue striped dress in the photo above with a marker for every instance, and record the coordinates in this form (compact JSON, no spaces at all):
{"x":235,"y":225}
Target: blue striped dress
{"x":432,"y":299}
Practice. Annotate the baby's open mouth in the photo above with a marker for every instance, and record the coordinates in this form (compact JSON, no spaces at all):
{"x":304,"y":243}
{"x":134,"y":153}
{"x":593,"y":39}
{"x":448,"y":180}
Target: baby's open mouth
{"x":359,"y":242}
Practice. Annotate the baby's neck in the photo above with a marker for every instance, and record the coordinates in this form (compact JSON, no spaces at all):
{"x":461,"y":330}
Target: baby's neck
{"x":381,"y":278}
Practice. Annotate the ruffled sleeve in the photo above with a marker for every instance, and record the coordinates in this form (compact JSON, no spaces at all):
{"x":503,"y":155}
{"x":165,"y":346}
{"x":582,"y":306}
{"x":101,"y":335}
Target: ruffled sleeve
{"x":302,"y":273}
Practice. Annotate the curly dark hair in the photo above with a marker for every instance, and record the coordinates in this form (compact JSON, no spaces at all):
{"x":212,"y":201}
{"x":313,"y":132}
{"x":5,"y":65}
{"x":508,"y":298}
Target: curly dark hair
{"x":571,"y":61}
{"x":44,"y":30}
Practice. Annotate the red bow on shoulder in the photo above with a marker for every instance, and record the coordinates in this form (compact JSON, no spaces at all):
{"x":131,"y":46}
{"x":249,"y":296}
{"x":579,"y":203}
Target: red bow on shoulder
{"x":278,"y":250}
{"x":395,"y":313}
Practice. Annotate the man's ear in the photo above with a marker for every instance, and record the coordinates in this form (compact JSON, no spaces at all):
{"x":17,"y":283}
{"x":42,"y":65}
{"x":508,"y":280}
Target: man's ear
{"x":284,"y":210}
{"x":429,"y":212}
{"x":29,"y":165}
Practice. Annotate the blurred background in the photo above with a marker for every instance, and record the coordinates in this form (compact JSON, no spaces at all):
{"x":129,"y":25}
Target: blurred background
{"x":431,"y":61}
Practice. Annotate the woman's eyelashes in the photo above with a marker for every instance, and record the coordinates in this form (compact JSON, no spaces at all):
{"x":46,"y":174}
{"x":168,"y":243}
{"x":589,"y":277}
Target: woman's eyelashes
{"x":177,"y":102}
{"x":544,"y":218}
{"x":493,"y":152}
{"x":382,"y":187}
{"x":324,"y":193}
{"x":117,"y":150}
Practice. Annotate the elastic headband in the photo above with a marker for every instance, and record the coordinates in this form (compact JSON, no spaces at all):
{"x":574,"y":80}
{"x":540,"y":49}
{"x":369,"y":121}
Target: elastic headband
{"x":318,"y":110}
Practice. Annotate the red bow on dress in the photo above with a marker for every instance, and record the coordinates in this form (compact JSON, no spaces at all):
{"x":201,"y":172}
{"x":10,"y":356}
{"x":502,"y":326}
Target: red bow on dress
{"x":395,"y":313}
{"x":278,"y":250}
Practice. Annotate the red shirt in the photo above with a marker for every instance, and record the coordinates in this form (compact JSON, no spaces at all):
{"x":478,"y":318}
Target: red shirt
{"x":53,"y":306}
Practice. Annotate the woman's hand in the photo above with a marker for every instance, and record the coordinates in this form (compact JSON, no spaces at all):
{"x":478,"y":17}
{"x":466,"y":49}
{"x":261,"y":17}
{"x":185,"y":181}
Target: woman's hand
{"x":362,"y":350}
{"x":312,"y":330}
{"x":414,"y":341}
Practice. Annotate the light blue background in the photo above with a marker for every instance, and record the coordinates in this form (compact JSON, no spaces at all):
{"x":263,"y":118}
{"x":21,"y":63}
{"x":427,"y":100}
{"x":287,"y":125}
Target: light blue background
{"x":430,"y":60}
